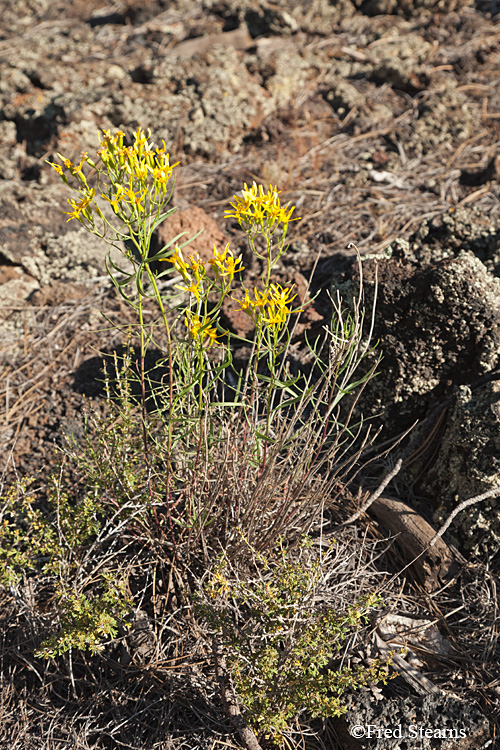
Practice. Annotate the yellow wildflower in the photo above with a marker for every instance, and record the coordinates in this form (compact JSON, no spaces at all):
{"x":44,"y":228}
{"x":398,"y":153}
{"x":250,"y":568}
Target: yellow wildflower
{"x":192,"y":289}
{"x":196,"y":265}
{"x":76,"y":170}
{"x":114,"y":202}
{"x":212,"y":334}
{"x":136,"y":198}
{"x":273,"y":302}
{"x":141,"y":172}
{"x":161,"y":176}
{"x":277,"y":305}
{"x":260,"y":208}
{"x":276,"y":315}
{"x":281,"y":296}
{"x":141,"y":141}
{"x":246,"y":303}
{"x":199,"y":329}
{"x":231,"y":266}
{"x":255,"y":306}
{"x":260,"y":299}
{"x":225,"y":263}
{"x":81,"y":207}
{"x":219,"y":257}
{"x":57,"y":167}
{"x":179,"y":262}
{"x":193,"y":324}
{"x":218,"y":585}
{"x":107,"y":137}
{"x":104,"y":154}
{"x":126,"y":159}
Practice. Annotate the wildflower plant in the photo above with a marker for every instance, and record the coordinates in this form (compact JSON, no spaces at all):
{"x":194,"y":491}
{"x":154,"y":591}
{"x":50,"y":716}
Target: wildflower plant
{"x":136,"y":181}
{"x":280,"y":429}
{"x":211,"y":464}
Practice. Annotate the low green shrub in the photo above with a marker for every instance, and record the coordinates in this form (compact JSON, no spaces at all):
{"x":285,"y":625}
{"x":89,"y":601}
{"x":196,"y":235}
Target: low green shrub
{"x":284,"y":633}
{"x":57,"y":545}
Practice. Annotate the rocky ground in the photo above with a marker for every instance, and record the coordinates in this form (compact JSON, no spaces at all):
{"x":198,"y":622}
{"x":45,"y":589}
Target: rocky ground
{"x":380,"y":121}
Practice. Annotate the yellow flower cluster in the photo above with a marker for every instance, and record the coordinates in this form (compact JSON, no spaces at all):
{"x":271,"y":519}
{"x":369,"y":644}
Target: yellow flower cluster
{"x":81,"y":207}
{"x":136,"y":165}
{"x":134,"y":171}
{"x":257,"y":208}
{"x":224,"y":264}
{"x":199,"y":329}
{"x":198,"y":284}
{"x":194,"y":272}
{"x":271,"y":306}
{"x":218,"y":584}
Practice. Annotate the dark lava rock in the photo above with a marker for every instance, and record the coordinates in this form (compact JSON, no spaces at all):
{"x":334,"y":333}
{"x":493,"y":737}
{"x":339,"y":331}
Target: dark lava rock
{"x":468,"y":465}
{"x":438,"y":327}
{"x":454,"y":724}
{"x":439,"y":333}
{"x":449,"y":233}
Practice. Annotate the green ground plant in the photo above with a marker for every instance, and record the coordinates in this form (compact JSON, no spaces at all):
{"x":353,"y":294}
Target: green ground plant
{"x":59,"y":544}
{"x":283,"y":635}
{"x":199,"y":463}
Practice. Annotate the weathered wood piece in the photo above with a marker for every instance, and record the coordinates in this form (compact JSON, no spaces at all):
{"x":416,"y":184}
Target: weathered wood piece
{"x":432,"y":565}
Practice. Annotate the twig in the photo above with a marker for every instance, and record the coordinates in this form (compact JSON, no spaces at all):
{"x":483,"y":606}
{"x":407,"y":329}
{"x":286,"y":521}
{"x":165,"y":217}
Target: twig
{"x":375,"y":495}
{"x":230,"y":705}
{"x":464,"y":504}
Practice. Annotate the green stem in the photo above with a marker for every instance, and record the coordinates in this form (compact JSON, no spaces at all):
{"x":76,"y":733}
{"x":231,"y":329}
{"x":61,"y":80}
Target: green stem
{"x":270,"y":390}
{"x":200,"y":395}
{"x":159,"y":300}
{"x":269,"y":262}
{"x":143,"y":399}
{"x":143,"y":374}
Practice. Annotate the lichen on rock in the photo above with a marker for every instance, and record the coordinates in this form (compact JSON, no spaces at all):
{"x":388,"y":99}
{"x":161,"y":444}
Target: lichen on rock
{"x":468,"y":465}
{"x":438,"y":326}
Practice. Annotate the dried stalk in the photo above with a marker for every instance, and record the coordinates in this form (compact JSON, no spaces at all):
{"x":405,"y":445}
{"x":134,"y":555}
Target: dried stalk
{"x":461,"y":506}
{"x":230,"y":705}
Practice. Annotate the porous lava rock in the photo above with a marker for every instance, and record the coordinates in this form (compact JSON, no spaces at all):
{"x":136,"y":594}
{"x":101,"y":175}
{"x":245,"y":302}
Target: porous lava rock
{"x":462,"y":726}
{"x":284,"y":17}
{"x":468,"y":465}
{"x":437,"y":326}
{"x":444,"y":114}
{"x":36,"y":236}
{"x":410,"y":8}
{"x":464,"y":228}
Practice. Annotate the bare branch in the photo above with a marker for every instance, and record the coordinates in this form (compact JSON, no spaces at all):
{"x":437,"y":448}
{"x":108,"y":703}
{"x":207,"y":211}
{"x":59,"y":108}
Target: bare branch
{"x":464,"y":504}
{"x":375,"y":495}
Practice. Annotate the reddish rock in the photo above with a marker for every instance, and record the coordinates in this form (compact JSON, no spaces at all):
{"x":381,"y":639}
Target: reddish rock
{"x":192,"y":220}
{"x":238,"y":321}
